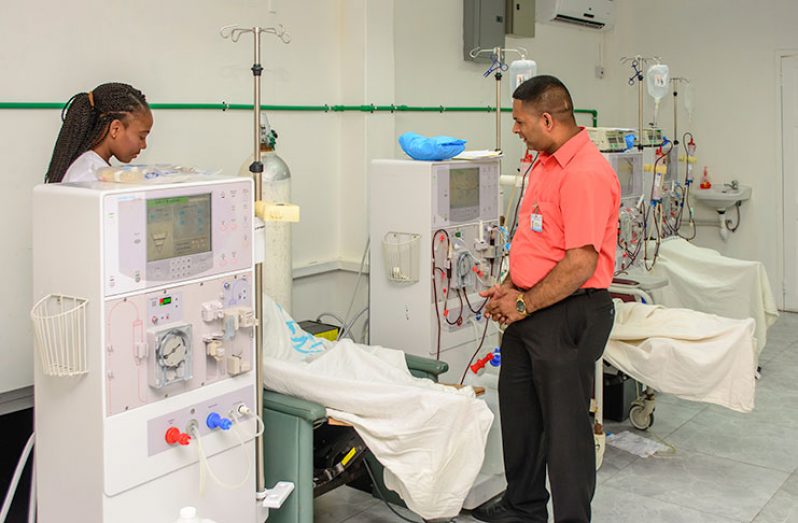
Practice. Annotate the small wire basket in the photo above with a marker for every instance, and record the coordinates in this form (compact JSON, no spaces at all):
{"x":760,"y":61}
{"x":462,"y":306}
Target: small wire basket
{"x":59,"y":326}
{"x":401,"y":253}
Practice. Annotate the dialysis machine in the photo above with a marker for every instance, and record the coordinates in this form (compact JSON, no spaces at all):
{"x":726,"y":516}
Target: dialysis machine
{"x":436,"y":242}
{"x":144,"y":383}
{"x":628,"y":166}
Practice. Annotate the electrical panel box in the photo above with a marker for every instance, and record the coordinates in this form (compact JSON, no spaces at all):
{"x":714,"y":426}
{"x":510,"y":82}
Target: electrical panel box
{"x":520,"y":18}
{"x":483,"y":27}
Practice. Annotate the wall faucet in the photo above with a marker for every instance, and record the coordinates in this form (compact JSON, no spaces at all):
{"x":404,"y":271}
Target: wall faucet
{"x":734,"y":185}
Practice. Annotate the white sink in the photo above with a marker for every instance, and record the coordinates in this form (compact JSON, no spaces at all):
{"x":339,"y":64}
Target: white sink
{"x":721,"y":197}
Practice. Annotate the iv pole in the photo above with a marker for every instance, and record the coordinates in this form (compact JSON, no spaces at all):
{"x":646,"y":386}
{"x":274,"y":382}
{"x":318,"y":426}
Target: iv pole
{"x":638,"y":64}
{"x":497,"y":53}
{"x":675,"y":82}
{"x":234,"y":32}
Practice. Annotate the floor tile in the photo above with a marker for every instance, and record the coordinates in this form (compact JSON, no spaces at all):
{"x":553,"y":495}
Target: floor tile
{"x":341,"y":503}
{"x":380,"y":513}
{"x":783,"y":506}
{"x":782,"y":369}
{"x":615,"y":460}
{"x":611,"y":505}
{"x":670,"y":414}
{"x":739,"y":437}
{"x":701,"y":482}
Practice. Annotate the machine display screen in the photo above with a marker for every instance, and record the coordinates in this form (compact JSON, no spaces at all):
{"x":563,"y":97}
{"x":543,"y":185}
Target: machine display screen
{"x":178,"y":226}
{"x":464,"y":188}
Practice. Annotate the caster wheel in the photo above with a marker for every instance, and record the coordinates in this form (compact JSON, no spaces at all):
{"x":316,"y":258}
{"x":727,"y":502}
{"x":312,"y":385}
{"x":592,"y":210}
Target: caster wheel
{"x":639,"y":418}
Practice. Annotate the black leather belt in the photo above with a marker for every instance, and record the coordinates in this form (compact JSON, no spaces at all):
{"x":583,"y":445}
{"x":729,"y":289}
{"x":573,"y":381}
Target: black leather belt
{"x":580,"y":292}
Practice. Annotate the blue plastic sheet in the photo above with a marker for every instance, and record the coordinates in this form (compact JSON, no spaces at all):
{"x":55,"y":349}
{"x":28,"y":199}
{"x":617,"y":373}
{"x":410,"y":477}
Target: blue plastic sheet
{"x":433,"y":148}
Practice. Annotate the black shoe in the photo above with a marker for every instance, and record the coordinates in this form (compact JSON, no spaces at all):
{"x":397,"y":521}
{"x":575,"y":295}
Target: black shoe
{"x":496,"y":511}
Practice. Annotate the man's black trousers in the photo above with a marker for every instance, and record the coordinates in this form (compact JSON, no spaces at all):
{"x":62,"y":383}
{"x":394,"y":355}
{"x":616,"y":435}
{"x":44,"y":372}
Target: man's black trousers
{"x":545,"y":387}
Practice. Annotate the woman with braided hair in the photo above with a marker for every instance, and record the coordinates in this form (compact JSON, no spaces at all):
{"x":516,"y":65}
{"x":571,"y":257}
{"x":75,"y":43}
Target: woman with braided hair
{"x":112,"y":120}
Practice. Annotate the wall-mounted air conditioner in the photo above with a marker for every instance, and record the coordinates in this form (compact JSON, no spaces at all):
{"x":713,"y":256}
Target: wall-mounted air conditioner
{"x":595,"y":14}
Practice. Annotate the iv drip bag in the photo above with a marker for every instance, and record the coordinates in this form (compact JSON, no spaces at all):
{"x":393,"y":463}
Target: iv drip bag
{"x":657,"y":82}
{"x":521,"y":71}
{"x":689,"y":102}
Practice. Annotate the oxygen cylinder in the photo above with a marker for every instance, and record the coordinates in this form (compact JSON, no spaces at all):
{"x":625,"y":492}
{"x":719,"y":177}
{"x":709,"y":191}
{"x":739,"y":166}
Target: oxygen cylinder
{"x":276,"y":188}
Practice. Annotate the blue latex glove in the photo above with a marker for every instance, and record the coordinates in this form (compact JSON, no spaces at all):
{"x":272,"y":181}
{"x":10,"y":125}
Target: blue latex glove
{"x":430,"y":149}
{"x":630,"y":140}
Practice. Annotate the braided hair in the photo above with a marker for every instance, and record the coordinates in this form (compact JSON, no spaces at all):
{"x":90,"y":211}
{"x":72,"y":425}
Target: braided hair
{"x":86,"y":120}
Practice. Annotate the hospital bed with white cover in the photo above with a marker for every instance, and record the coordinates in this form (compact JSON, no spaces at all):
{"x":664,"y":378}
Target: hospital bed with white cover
{"x":703,"y":281}
{"x":692,"y":355}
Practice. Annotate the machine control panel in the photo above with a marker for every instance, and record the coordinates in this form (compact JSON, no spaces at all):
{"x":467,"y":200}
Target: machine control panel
{"x":174,"y":429}
{"x":173,"y":234}
{"x":168,"y":342}
{"x":165,"y":309}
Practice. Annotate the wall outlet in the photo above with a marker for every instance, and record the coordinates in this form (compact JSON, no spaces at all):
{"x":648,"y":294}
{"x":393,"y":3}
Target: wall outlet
{"x":600,"y":72}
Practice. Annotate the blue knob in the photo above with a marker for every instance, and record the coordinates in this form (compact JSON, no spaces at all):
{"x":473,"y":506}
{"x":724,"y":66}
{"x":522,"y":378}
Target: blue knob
{"x":215,"y":421}
{"x":497,"y":358}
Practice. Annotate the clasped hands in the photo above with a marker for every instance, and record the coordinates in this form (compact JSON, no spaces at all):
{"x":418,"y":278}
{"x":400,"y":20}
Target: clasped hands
{"x":501,"y":304}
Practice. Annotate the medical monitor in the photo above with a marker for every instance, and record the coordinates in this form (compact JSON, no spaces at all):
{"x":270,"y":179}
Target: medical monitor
{"x":464,"y":192}
{"x":178,"y":226}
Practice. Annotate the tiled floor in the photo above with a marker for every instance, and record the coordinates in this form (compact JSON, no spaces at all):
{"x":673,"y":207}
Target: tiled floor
{"x":727,"y":466}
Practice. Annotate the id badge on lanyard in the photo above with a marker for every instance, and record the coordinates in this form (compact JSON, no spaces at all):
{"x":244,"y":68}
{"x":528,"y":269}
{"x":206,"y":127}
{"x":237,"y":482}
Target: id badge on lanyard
{"x":536,"y":220}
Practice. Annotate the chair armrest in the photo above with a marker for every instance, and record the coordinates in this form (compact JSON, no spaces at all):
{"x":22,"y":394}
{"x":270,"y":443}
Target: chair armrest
{"x":307,"y":410}
{"x":425,"y":367}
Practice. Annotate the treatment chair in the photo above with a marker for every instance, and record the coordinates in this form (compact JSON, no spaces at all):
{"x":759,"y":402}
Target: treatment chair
{"x":291,"y":426}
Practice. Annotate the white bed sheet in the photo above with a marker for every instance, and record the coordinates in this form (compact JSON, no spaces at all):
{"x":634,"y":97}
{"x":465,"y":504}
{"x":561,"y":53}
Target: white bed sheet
{"x":692,"y":355}
{"x":430,"y":437}
{"x":704,"y":280}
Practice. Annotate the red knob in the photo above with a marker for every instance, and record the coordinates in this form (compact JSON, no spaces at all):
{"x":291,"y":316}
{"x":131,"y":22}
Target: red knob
{"x":175,"y":437}
{"x":172,"y":435}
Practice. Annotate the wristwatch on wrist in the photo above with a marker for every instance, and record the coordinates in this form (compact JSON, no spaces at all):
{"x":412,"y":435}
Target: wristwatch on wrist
{"x":520,"y":304}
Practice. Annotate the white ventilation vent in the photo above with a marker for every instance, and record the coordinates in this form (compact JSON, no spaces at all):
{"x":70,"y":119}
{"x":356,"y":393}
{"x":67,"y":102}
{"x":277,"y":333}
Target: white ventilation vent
{"x":594,"y":14}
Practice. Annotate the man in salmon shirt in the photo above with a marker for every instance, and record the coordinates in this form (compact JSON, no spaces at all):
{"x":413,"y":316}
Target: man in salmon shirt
{"x":557,"y":310}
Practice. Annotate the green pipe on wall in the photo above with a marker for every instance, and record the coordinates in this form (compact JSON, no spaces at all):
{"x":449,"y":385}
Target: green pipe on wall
{"x":370,"y":108}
